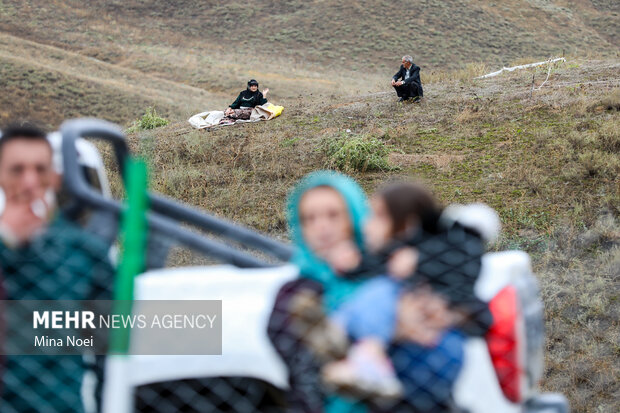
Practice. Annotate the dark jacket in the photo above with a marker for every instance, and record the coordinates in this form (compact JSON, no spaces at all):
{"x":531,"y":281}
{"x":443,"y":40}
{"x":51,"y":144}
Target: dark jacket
{"x":449,"y":262}
{"x":414,"y":76}
{"x":63,"y":263}
{"x":306,"y":393}
{"x":248,"y":99}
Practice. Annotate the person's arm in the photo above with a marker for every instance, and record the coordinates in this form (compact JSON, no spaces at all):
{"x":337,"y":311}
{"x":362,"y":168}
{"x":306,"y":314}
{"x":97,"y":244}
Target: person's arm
{"x":369,"y":266}
{"x":398,"y":74}
{"x":375,"y":264}
{"x":262,"y":98}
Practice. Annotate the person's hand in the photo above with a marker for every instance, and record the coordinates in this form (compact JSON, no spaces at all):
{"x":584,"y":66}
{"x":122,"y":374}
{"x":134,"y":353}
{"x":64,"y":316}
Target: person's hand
{"x":344,"y":257}
{"x":265,"y":91}
{"x":422,"y":317}
{"x":393,"y":82}
{"x":24,"y":219}
{"x":402,"y":82}
{"x":402,"y":263}
{"x":228,"y":111}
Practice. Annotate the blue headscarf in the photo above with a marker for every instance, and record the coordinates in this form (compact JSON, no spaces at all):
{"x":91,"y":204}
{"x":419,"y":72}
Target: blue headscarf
{"x":336,"y":288}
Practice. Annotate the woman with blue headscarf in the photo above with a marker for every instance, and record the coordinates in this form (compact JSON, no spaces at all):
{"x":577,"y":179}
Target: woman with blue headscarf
{"x":326,"y":214}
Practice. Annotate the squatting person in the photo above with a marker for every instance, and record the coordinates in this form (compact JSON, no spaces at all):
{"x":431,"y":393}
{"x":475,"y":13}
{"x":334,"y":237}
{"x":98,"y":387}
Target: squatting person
{"x":409,"y":86}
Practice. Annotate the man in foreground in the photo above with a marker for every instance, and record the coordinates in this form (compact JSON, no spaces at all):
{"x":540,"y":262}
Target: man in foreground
{"x":409,"y":86}
{"x":43,"y":257}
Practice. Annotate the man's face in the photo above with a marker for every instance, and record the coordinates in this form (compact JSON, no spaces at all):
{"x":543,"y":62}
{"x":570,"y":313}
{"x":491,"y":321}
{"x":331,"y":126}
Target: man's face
{"x":406,"y":63}
{"x":26,"y":170}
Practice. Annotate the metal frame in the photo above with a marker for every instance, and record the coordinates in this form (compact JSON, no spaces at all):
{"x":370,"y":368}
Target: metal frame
{"x":165,"y":215}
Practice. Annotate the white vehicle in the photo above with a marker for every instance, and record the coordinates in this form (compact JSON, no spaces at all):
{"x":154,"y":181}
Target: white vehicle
{"x":89,"y":160}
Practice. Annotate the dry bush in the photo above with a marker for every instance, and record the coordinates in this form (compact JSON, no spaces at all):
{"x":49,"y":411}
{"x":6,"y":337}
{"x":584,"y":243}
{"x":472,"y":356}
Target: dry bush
{"x":612,"y":102}
{"x":579,"y":276}
{"x":599,"y":163}
{"x":608,"y":137}
{"x":357,"y":154}
{"x":471,"y":113}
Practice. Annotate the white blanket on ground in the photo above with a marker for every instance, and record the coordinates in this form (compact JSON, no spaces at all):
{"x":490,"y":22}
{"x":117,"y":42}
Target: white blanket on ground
{"x":212,"y":118}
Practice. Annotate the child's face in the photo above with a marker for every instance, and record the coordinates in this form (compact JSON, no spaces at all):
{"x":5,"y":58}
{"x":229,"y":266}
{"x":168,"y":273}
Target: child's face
{"x":325,"y":221}
{"x":379,"y":227}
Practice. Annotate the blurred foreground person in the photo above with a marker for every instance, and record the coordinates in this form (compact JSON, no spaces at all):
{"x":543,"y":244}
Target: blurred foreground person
{"x":407,"y":81}
{"x":43,"y":257}
{"x":383,"y":315}
{"x":326,"y":213}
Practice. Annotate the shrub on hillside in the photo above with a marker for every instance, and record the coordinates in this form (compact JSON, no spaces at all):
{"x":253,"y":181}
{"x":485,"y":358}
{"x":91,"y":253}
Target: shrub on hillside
{"x":150,"y":120}
{"x":599,"y":163}
{"x":358,"y":153}
{"x":608,"y":136}
{"x":611,"y":102}
{"x":594,"y":153}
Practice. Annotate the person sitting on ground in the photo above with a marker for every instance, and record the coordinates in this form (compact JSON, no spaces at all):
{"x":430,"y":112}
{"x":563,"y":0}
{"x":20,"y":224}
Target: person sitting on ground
{"x":43,"y":256}
{"x":241,"y":108}
{"x":410,"y":85}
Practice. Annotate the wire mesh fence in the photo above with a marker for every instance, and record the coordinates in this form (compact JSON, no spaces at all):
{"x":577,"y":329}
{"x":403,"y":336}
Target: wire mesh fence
{"x":386,"y":348}
{"x":295,"y":338}
{"x":62,"y":263}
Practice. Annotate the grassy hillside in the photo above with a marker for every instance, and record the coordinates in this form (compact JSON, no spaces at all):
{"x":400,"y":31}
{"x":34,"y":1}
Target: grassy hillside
{"x":113,"y":58}
{"x":51,"y":84}
{"x":549,"y":163}
{"x":362,"y":35}
{"x":547,"y":160}
{"x":65,"y":73}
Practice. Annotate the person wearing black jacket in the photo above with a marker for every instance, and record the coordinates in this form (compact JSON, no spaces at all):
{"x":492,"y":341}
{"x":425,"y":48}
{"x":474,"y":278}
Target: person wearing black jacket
{"x":410,"y":86}
{"x":248,"y":98}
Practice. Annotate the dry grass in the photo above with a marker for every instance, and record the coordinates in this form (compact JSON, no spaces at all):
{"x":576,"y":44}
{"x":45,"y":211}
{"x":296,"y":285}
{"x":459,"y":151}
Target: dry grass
{"x":548,"y":164}
{"x":580,"y":283}
{"x":306,"y":32}
{"x":548,"y":161}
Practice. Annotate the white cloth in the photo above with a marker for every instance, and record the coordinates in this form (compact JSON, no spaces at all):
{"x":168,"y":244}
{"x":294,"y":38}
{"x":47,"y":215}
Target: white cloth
{"x":212,"y":118}
{"x":206,"y":119}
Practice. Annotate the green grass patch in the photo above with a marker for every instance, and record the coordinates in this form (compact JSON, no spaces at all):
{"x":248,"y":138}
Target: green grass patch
{"x":150,"y":120}
{"x":358,"y":154}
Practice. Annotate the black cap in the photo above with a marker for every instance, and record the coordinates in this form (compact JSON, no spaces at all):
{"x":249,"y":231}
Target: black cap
{"x":252,"y":82}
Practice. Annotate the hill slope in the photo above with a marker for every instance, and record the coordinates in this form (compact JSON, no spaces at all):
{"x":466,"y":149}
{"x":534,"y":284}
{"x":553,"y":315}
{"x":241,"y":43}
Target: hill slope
{"x":49,"y":83}
{"x":115,"y":58}
{"x":547,"y":160}
{"x":549,"y":164}
{"x":371,"y":32}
